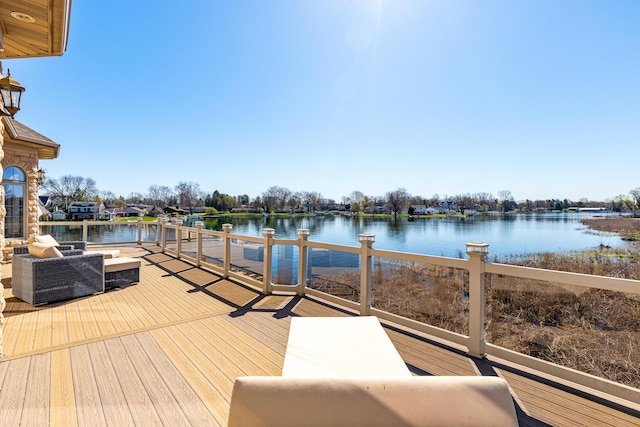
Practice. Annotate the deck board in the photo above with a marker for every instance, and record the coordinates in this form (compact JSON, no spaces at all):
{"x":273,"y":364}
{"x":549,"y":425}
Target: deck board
{"x":195,"y":411}
{"x":36,"y":403}
{"x":164,"y":402}
{"x":206,"y":378}
{"x":88,"y":404}
{"x":62,"y":402}
{"x":59,"y":326}
{"x":112,"y":398}
{"x":166,"y":351}
{"x":13,"y":392}
{"x":548,"y":403}
{"x":142,"y":410}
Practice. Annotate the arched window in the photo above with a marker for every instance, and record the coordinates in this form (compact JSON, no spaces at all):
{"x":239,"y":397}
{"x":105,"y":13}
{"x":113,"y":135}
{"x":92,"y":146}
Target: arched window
{"x":14,"y":182}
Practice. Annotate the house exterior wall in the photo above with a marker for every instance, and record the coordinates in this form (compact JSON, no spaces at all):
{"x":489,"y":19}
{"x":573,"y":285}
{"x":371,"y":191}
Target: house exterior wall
{"x":28,"y":162}
{"x":3,"y":212}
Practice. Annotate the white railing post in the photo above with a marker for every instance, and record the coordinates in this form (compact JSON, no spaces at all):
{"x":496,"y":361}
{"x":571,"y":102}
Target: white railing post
{"x":366,"y":270}
{"x":267,"y":285}
{"x":163,"y":241}
{"x":226,"y":246}
{"x":303,"y":235}
{"x":85,"y":231}
{"x":139,"y":230}
{"x":179,"y":237}
{"x":199,"y":226}
{"x":477,"y":342}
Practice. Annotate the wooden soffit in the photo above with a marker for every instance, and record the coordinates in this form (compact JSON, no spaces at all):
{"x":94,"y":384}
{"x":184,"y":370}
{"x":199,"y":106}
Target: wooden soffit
{"x":19,"y":135}
{"x":33,"y":28}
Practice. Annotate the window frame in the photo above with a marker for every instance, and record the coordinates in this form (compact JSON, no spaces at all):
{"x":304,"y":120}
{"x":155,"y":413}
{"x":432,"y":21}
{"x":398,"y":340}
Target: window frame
{"x":20,"y":183}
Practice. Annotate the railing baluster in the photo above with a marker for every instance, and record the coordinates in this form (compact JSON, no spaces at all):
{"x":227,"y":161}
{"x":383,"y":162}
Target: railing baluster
{"x":226,"y":255}
{"x":366,"y":241}
{"x":199,"y":226}
{"x":85,"y":230}
{"x":139,"y":230}
{"x":477,"y":342}
{"x":267,"y":284}
{"x":303,"y":235}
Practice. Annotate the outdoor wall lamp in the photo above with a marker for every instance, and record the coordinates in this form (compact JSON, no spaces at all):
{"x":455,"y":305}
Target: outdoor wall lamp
{"x":11,"y":93}
{"x":40,"y":177}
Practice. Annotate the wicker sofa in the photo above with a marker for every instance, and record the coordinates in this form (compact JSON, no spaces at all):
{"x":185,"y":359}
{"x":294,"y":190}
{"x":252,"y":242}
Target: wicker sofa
{"x":44,"y":280}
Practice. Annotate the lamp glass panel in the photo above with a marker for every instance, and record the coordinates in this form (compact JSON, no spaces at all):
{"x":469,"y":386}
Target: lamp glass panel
{"x":6,"y":98}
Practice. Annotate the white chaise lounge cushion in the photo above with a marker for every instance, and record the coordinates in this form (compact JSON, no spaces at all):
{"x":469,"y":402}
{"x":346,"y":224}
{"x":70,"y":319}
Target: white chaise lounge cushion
{"x":41,"y":250}
{"x":341,"y":347}
{"x":370,"y":402}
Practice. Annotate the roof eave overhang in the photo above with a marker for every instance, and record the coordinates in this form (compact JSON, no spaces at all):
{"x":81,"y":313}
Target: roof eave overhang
{"x":57,"y":35}
{"x":47,"y":149}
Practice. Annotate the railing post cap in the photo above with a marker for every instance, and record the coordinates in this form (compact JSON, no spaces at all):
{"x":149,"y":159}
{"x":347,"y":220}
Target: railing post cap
{"x":480,"y":248}
{"x":199,"y":224}
{"x":227,"y":226}
{"x":367,"y":238}
{"x":268,"y":231}
{"x":303,"y":232}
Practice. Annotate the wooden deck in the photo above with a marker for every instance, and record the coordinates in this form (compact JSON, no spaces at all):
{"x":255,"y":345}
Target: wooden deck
{"x":167,"y":350}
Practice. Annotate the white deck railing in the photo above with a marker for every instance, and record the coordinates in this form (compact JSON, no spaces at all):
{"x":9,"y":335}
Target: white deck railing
{"x":251,"y":260}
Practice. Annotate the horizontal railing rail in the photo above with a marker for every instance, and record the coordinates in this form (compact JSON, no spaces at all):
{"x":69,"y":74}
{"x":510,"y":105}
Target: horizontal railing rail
{"x":224,"y":251}
{"x":81,"y":230}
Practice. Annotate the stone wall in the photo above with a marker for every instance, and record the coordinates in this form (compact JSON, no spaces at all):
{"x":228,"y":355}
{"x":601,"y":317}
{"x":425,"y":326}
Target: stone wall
{"x":28,"y":162}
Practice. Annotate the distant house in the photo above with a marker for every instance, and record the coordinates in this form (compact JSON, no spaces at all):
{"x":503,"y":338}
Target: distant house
{"x":420,"y":210}
{"x":42,"y":211}
{"x":58,"y":215}
{"x":107,"y":215}
{"x":175,"y":211}
{"x":134,"y":211}
{"x":448,"y":205}
{"x":79,"y":211}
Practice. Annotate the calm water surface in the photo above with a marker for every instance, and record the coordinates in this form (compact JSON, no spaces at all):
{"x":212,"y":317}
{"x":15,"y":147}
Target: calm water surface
{"x":506,"y":235}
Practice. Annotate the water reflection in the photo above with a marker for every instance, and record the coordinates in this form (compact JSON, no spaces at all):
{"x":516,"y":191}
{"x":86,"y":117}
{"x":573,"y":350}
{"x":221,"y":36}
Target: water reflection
{"x":506,"y":234}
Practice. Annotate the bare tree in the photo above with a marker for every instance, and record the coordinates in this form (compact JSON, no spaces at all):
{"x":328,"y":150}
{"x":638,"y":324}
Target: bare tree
{"x":635,"y":200}
{"x":397,"y":200}
{"x":72,"y":189}
{"x":159,"y":195}
{"x":276,"y":197}
{"x":506,"y":199}
{"x":108,"y":197}
{"x":188,"y":194}
{"x":356,"y":198}
{"x":312,"y":199}
{"x":135,"y":198}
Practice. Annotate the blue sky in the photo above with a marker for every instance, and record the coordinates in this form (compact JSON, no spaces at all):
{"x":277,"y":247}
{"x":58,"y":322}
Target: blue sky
{"x":541,"y":97}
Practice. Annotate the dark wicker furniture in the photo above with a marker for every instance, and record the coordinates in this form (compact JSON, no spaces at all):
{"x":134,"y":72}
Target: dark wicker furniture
{"x":45,"y":280}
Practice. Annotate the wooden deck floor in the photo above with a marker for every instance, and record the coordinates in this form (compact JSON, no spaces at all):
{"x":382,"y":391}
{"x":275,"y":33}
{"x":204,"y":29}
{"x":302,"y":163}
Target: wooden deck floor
{"x":167,"y":350}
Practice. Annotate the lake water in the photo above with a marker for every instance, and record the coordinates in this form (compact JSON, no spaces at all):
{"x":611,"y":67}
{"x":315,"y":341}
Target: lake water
{"x":506,"y":234}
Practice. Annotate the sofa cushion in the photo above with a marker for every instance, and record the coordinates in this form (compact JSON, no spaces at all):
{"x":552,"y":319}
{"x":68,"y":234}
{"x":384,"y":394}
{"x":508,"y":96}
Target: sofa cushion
{"x":120,"y":264}
{"x":47,"y":239}
{"x":41,"y":250}
{"x":417,"y":401}
{"x":108,"y":253}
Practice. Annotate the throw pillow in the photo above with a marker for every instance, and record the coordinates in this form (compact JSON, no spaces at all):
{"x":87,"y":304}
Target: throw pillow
{"x":40,"y":250}
{"x":47,"y":239}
